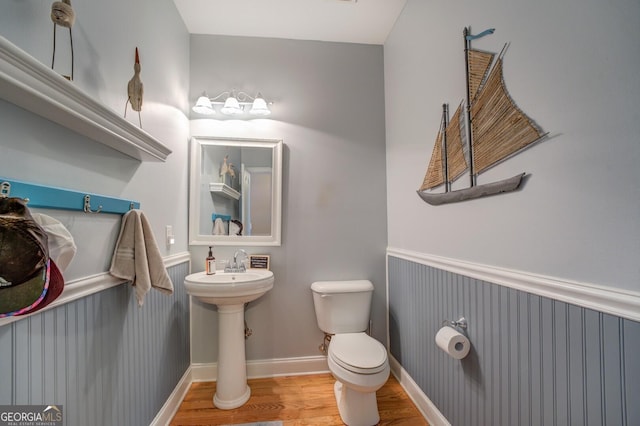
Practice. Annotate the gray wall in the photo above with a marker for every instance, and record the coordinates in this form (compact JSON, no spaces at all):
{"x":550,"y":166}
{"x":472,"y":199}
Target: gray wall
{"x":329,"y":111}
{"x":534,"y":360}
{"x":105,"y":359}
{"x":573,"y":68}
{"x":36,"y":150}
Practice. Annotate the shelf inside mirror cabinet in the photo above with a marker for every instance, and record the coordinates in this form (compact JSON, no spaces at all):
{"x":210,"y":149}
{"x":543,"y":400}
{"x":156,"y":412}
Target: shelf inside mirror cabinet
{"x":224,"y":190}
{"x":31,"y":85}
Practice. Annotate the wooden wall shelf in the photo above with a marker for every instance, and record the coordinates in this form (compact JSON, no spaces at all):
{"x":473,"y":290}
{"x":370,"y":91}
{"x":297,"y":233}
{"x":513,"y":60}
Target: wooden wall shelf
{"x":31,"y":85}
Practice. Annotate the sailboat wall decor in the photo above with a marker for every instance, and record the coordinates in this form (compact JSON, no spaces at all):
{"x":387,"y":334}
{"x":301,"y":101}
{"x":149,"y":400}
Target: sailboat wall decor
{"x":484,"y":131}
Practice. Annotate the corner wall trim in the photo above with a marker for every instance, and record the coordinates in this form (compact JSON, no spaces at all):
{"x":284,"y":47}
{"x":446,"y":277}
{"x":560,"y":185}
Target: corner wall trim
{"x":176,"y":259}
{"x":618,"y":302}
{"x":170,"y":407}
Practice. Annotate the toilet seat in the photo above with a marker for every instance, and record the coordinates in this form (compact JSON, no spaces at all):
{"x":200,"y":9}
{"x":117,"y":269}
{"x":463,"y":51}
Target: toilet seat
{"x":358,"y":352}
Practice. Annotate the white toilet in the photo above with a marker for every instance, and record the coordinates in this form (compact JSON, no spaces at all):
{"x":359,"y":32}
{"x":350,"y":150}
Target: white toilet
{"x":357,"y":361}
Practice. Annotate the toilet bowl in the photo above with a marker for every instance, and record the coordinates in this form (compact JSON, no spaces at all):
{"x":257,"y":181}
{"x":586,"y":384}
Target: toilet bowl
{"x":360,"y":366}
{"x":358,"y":362}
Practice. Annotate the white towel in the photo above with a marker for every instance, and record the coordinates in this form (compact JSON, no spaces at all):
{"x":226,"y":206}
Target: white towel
{"x":218,"y":227}
{"x":137,"y":258}
{"x":234,"y":228}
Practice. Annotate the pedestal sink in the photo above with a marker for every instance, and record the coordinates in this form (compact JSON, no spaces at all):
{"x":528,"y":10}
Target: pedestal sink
{"x":230,"y":291}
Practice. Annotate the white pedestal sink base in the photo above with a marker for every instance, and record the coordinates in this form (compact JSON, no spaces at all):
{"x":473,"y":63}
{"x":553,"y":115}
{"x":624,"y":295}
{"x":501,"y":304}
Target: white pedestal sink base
{"x":231,"y":404}
{"x":232,"y":390}
{"x":230,"y":291}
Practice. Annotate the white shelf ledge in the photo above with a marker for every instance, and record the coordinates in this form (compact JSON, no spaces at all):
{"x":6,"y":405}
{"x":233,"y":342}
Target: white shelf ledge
{"x":31,"y":85}
{"x":224,"y":190}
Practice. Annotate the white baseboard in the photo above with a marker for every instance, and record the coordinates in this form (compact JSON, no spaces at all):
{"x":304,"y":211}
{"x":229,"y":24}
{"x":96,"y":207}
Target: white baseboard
{"x":287,"y":367}
{"x":424,"y":404}
{"x":170,"y":407}
{"x":266,"y":368}
{"x":204,"y":372}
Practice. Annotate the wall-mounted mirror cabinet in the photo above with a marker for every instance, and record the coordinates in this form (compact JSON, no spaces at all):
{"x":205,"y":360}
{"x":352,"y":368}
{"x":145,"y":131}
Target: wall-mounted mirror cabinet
{"x":235,"y":191}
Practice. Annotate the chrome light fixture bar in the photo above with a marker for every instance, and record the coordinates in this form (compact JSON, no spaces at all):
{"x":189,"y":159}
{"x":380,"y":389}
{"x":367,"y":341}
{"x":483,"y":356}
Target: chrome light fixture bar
{"x":233,"y":103}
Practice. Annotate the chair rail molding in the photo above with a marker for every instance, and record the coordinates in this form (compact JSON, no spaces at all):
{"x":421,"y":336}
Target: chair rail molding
{"x":29,"y":84}
{"x":619,"y":302}
{"x":86,"y":286}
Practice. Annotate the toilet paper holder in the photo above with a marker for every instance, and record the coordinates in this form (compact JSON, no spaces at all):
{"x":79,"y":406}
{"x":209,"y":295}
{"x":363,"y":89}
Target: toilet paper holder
{"x":461,"y":323}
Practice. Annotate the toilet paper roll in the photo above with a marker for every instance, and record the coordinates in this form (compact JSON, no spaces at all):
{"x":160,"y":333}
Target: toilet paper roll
{"x":453,"y":343}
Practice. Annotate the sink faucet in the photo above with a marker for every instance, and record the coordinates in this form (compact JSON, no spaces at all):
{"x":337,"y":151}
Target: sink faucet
{"x":235,"y":266}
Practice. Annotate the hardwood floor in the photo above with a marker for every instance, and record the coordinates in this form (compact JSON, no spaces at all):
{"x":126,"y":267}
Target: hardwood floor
{"x":296,"y":400}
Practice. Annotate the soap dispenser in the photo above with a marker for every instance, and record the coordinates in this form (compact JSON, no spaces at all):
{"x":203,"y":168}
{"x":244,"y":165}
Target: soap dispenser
{"x":210,"y":264}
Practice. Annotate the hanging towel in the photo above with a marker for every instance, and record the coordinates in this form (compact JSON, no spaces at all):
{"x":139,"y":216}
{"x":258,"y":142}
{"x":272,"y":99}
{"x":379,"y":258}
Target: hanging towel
{"x":218,"y":227}
{"x":137,"y":258}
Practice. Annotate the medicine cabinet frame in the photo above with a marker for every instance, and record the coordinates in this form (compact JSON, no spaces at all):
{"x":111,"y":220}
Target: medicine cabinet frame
{"x":196,"y":235}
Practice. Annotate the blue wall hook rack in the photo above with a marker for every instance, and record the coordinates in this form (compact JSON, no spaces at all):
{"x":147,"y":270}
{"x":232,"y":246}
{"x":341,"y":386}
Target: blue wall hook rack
{"x":215,"y":216}
{"x":49,"y":197}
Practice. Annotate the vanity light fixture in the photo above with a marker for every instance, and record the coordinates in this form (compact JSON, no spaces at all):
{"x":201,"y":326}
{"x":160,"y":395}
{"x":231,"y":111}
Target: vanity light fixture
{"x":233,"y":103}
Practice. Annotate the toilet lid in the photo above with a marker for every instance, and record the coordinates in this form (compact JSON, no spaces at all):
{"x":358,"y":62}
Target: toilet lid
{"x":358,"y":352}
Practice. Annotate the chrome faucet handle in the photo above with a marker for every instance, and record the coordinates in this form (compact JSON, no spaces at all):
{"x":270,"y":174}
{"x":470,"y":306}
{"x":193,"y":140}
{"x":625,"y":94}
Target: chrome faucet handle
{"x":235,"y":255}
{"x":239,"y":266}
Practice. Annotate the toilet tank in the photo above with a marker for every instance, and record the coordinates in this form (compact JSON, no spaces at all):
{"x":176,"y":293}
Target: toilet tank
{"x":342,"y":306}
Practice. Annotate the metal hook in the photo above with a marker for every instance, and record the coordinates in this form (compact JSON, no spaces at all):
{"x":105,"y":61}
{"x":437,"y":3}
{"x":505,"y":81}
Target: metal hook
{"x":5,"y":189}
{"x":87,"y":205}
{"x":461,"y":323}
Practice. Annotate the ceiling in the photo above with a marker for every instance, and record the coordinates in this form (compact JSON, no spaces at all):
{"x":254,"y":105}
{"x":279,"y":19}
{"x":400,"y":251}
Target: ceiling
{"x":347,"y":21}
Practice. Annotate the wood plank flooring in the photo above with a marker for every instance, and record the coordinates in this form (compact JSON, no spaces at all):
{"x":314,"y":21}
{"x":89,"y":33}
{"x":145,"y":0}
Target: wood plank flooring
{"x":296,"y":400}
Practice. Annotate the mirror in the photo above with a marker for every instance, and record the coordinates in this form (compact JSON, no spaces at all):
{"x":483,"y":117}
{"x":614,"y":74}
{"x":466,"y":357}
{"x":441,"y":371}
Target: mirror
{"x":235,"y":191}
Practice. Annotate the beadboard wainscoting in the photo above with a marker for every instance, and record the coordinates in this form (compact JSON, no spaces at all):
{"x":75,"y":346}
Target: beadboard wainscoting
{"x":534,"y":360}
{"x":106,"y":360}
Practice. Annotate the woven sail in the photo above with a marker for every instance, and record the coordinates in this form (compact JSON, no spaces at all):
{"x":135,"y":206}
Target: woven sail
{"x":499,"y":128}
{"x":479,"y":63}
{"x":457,"y":164}
{"x":435,"y":172}
{"x":496,"y":130}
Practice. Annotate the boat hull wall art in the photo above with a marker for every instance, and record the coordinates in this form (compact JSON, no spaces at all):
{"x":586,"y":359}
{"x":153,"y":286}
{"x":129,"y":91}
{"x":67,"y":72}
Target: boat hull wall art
{"x":486,"y":129}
